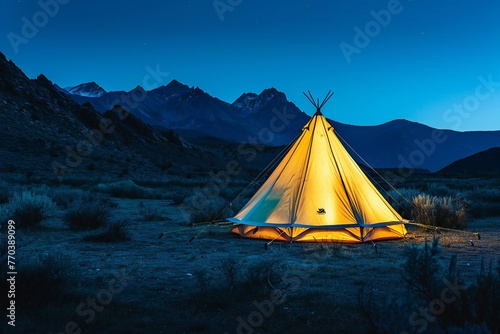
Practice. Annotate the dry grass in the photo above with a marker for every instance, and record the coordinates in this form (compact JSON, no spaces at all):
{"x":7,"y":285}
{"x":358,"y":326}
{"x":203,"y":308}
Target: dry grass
{"x":28,"y":209}
{"x":182,"y":286}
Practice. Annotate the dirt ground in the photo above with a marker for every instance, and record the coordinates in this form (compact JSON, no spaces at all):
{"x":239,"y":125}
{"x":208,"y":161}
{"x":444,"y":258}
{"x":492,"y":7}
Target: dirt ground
{"x":161,"y":288}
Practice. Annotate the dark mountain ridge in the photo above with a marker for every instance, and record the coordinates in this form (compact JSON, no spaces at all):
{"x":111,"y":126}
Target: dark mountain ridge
{"x":485,"y":163}
{"x":44,"y":132}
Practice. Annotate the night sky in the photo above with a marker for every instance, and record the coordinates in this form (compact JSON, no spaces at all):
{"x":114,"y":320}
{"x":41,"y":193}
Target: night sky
{"x":425,"y":61}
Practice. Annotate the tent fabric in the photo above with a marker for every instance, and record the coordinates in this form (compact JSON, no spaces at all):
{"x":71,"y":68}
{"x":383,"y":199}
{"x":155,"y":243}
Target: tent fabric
{"x":318,"y":193}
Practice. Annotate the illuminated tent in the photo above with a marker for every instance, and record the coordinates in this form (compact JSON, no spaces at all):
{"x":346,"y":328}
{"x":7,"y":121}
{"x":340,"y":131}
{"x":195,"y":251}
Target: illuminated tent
{"x":318,"y":193}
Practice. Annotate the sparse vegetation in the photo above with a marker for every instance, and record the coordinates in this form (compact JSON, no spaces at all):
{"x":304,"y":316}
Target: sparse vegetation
{"x":123,"y":189}
{"x":202,"y":209}
{"x":29,"y":209}
{"x":440,"y":211}
{"x":64,"y":196}
{"x":46,"y":277}
{"x":5,"y":192}
{"x":87,"y":215}
{"x":116,"y":231}
{"x":215,"y":288}
{"x":453,"y":305}
{"x":235,"y":281}
{"x":148,"y":213}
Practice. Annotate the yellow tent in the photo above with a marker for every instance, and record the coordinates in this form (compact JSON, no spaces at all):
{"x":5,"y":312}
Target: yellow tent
{"x":318,"y":193}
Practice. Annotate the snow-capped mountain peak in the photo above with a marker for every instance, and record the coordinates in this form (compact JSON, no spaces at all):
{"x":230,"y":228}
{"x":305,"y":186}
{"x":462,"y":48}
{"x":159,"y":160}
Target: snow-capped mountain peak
{"x":89,"y":89}
{"x":245,"y":101}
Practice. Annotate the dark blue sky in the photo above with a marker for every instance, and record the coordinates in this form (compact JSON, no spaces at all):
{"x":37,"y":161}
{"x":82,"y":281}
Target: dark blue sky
{"x":424,"y":63}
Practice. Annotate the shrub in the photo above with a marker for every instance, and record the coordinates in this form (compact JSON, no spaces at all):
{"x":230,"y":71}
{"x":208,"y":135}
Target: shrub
{"x":421,"y":268}
{"x":148,"y":213}
{"x":437,"y":189}
{"x":485,"y":295}
{"x":402,"y":200}
{"x":123,"y":189}
{"x":440,"y":211}
{"x":479,"y":209}
{"x":261,"y":276}
{"x":87,"y":215}
{"x":229,"y":267}
{"x":116,"y":231}
{"x":28,"y":209}
{"x":203,"y":210}
{"x":422,"y":275}
{"x":64,"y":196}
{"x":46,"y":277}
{"x":472,"y":309}
{"x":179,"y":194}
{"x":5,"y":192}
{"x":234,"y":283}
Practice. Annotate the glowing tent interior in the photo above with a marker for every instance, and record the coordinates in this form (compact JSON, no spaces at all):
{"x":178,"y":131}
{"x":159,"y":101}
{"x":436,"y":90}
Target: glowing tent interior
{"x":318,"y":193}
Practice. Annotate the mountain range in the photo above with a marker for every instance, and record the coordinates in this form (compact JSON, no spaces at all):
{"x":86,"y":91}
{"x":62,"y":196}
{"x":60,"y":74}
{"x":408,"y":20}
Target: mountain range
{"x":43,"y":132}
{"x":269,"y":118}
{"x":485,"y":163}
{"x":194,"y":113}
{"x":42,"y":124}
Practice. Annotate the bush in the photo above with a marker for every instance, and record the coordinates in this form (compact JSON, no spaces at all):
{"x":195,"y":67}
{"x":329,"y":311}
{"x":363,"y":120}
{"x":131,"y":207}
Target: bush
{"x":87,"y":215}
{"x":116,"y":231}
{"x":28,"y":209}
{"x":437,"y":189}
{"x":262,"y":276}
{"x":402,"y":200}
{"x":485,"y":295}
{"x":458,"y":308}
{"x":421,"y":268}
{"x":44,"y":278}
{"x":5,"y":194}
{"x":179,"y":194}
{"x":123,"y":189}
{"x":229,"y":267}
{"x":148,"y":213}
{"x":204,"y":210}
{"x":64,"y":196}
{"x":440,"y":211}
{"x":479,"y":209}
{"x":234,"y":283}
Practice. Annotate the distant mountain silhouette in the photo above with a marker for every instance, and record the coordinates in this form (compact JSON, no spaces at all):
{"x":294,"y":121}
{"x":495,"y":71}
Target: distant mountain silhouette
{"x":39,"y":109}
{"x":485,"y":163}
{"x":195,"y":113}
{"x":258,"y":118}
{"x":44,"y":132}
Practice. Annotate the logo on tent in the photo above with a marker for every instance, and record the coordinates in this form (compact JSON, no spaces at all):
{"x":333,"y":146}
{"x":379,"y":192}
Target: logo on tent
{"x":321,"y":211}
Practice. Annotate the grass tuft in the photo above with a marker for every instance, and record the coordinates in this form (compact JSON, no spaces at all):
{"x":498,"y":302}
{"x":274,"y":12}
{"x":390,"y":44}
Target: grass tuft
{"x":115,"y":231}
{"x":28,"y":209}
{"x":87,"y":215}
